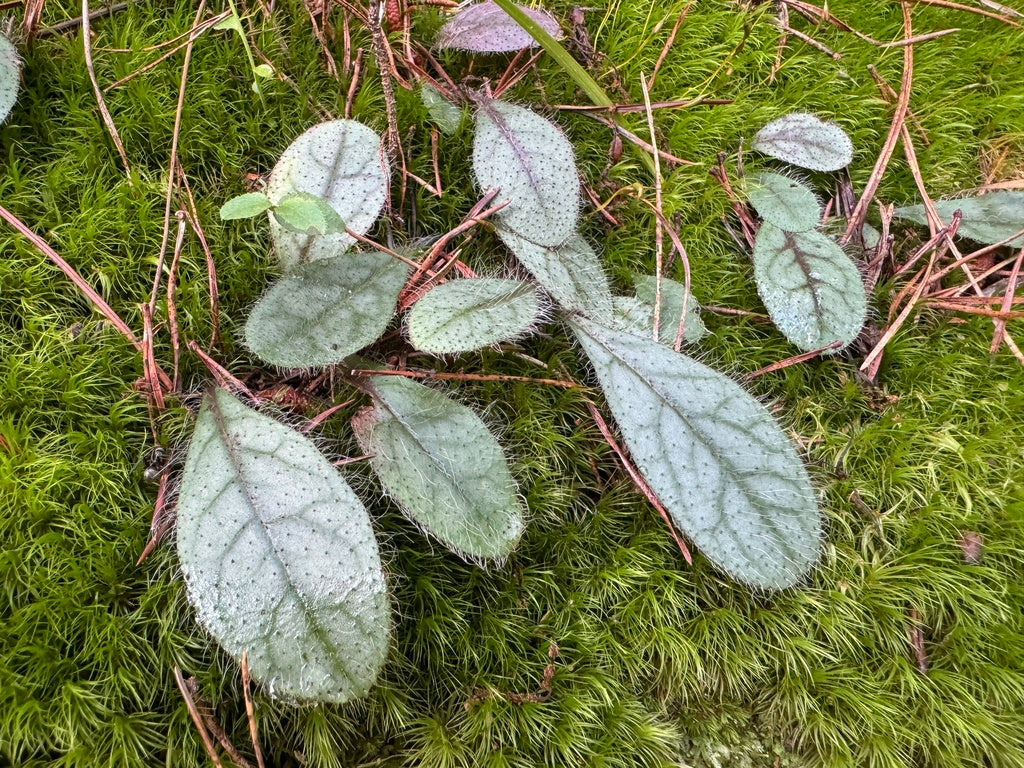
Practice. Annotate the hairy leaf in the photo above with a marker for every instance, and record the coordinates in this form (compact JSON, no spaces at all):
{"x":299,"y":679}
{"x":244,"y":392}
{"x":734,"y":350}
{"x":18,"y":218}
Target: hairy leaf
{"x":716,"y":459}
{"x":571,"y":273}
{"x":341,"y":162}
{"x":805,"y":140}
{"x":321,"y":312}
{"x":784,"y":202}
{"x":279,"y":557}
{"x":10,"y":76}
{"x":989,"y":218}
{"x":463,"y":315}
{"x":308,"y":214}
{"x":672,"y":294}
{"x":244,"y":206}
{"x":486,"y":28}
{"x":442,"y":466}
{"x":812,"y":290}
{"x":531,"y":162}
{"x":443,"y":112}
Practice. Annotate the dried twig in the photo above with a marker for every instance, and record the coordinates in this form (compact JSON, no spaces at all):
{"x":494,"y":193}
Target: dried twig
{"x":108,"y":121}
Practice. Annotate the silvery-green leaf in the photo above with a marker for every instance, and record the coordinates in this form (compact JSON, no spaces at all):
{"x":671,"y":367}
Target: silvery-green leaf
{"x":307,"y":214}
{"x":989,"y":218}
{"x":244,"y":206}
{"x":633,"y":315}
{"x":323,"y":311}
{"x":783,"y":201}
{"x":713,"y":455}
{"x":10,"y":76}
{"x":872,"y":237}
{"x":571,"y":273}
{"x":672,"y":294}
{"x":443,"y":112}
{"x":442,"y":466}
{"x":468,"y":314}
{"x":279,"y":558}
{"x":341,"y":162}
{"x":812,"y":290}
{"x":807,"y":141}
{"x":531,"y":162}
{"x":486,"y":28}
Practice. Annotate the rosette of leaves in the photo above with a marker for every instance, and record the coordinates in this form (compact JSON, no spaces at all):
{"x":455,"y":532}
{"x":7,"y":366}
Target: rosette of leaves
{"x":812,"y":290}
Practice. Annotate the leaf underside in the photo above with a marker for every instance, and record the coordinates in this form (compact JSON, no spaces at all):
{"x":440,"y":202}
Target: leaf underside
{"x":716,"y":459}
{"x":442,"y":466}
{"x":321,"y":312}
{"x":464,"y":315}
{"x":529,"y":160}
{"x":341,"y":162}
{"x":10,"y":76}
{"x":279,"y":558}
{"x":784,"y":202}
{"x":486,"y":28}
{"x":807,"y":141}
{"x":571,"y":273}
{"x":989,"y":218}
{"x":812,"y":290}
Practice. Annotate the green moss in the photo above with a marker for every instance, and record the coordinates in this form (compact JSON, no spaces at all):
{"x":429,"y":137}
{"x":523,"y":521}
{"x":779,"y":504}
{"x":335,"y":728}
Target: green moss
{"x":656,"y":662}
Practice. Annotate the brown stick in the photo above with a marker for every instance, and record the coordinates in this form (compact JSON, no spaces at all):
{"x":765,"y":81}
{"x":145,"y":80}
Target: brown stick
{"x":193,"y":712}
{"x":108,"y":121}
{"x":468,"y":377}
{"x":250,"y":712}
{"x":787,"y":362}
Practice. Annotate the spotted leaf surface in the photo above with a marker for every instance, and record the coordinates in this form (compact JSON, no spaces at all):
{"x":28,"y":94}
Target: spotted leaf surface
{"x":321,"y":312}
{"x":463,"y":315}
{"x":486,"y":28}
{"x":571,"y":273}
{"x":807,"y":141}
{"x":442,"y":466}
{"x":672,"y":309}
{"x":341,"y":162}
{"x":812,"y":290}
{"x":10,"y":77}
{"x":279,"y":558}
{"x":716,"y":459}
{"x":529,"y":160}
{"x":784,"y":202}
{"x":989,"y":218}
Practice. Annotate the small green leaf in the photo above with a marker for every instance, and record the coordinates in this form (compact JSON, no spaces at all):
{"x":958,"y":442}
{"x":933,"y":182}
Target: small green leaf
{"x":447,"y":116}
{"x":341,"y":162}
{"x":232,"y":22}
{"x":442,"y":466}
{"x":10,"y":76}
{"x":812,"y":290}
{"x":805,"y":140}
{"x":263,"y":70}
{"x":571,"y":273}
{"x":279,"y":558}
{"x":308,"y":214}
{"x":464,"y":315}
{"x":726,"y":473}
{"x":531,"y":162}
{"x":672,"y":294}
{"x":321,"y":312}
{"x":244,"y":206}
{"x":989,"y":218}
{"x":783,"y":201}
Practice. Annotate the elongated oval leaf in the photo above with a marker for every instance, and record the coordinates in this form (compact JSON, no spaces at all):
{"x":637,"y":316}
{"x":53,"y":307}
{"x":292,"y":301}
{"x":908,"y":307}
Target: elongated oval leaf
{"x":341,"y":162}
{"x":463,"y":315}
{"x":279,"y":557}
{"x":571,"y":273}
{"x":672,"y":309}
{"x":486,"y":28}
{"x":531,"y":162}
{"x":989,"y":218}
{"x":10,"y":76}
{"x":442,"y":466}
{"x":812,"y":290}
{"x":807,"y":141}
{"x":307,"y":214}
{"x":321,"y":312}
{"x":784,"y":202}
{"x":244,"y":206}
{"x":716,"y":459}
